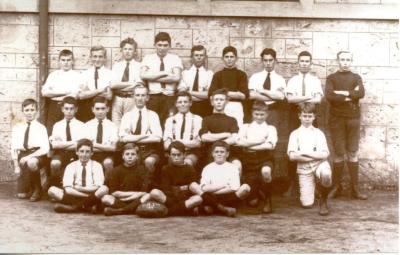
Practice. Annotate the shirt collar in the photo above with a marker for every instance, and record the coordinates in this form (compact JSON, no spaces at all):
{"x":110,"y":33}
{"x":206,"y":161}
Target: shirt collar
{"x":193,"y":68}
{"x":266,"y":72}
{"x":310,"y":128}
{"x":228,"y":69}
{"x":144,"y":109}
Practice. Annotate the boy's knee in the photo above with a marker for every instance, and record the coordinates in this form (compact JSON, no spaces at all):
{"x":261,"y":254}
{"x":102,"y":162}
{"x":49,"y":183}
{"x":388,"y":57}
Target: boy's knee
{"x":326,"y":177}
{"x":266,"y":174}
{"x":108,"y":200}
{"x":195,"y":188}
{"x":352,"y":156}
{"x":150,"y":162}
{"x":55,"y":165}
{"x":55,"y":193}
{"x":158,"y":195}
{"x":243,"y":191}
{"x":33,"y":164}
{"x":108,"y":163}
{"x":100,"y":192}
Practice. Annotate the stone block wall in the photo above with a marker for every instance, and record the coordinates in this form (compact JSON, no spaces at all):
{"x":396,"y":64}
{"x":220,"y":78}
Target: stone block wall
{"x":374,"y":43}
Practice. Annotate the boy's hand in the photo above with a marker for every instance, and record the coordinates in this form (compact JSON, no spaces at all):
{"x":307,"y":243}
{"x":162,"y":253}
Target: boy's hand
{"x":184,"y":187}
{"x":17,"y":170}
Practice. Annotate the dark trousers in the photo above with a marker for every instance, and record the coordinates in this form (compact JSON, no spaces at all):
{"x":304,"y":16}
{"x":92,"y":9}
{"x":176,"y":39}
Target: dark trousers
{"x":28,"y":179}
{"x":229,"y":199}
{"x":54,"y":114}
{"x":162,"y":105}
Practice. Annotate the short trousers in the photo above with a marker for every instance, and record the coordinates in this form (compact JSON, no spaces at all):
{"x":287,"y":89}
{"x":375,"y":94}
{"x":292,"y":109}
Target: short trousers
{"x":345,"y":133}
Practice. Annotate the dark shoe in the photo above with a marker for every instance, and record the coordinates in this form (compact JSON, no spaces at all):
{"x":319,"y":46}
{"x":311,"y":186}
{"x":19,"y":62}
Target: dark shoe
{"x":307,"y":206}
{"x":253,"y":202}
{"x":323,"y":207}
{"x":268,"y":206}
{"x":109,"y":211}
{"x":356,"y":194}
{"x":335,"y":192}
{"x":35,"y":196}
{"x":22,"y":195}
{"x":227,"y":211}
{"x":60,"y":208}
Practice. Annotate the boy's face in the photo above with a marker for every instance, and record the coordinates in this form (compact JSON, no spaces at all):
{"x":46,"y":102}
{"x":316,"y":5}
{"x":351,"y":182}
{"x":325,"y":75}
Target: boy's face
{"x":306,"y":119}
{"x":219,"y":101}
{"x":66,"y":62}
{"x":176,"y":157}
{"x":259,"y":116}
{"x":344,"y":61}
{"x":130,"y":157}
{"x":268,"y":62}
{"x":141,"y":97}
{"x":199,"y":58}
{"x":220,"y":154}
{"x":98,"y":58}
{"x":229,"y":60}
{"x":84,"y":153}
{"x":304,"y":64}
{"x":162,"y":48}
{"x":100,"y":110}
{"x":183,"y":104}
{"x":128,"y":51}
{"x":69,"y":111}
{"x":29,"y":112}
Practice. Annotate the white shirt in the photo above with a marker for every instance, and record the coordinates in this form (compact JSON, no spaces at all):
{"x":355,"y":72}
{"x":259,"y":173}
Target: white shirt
{"x":61,"y":81}
{"x":103,"y":81}
{"x":150,"y":123}
{"x":312,"y":85}
{"x":205,"y":78}
{"x":226,"y":174}
{"x":192,"y":127}
{"x":258,"y":132}
{"x":60,"y":130}
{"x":118,"y":70}
{"x":37,"y":138}
{"x":73,"y":174}
{"x":110,"y":131}
{"x":256,"y":82}
{"x":153,"y":62}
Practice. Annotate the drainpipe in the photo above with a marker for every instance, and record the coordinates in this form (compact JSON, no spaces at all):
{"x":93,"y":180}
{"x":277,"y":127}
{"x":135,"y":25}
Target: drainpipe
{"x":43,"y":55}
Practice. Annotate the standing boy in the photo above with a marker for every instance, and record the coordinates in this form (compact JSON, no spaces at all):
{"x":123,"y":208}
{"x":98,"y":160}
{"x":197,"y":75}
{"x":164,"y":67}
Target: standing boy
{"x":29,"y":146}
{"x":343,"y":91}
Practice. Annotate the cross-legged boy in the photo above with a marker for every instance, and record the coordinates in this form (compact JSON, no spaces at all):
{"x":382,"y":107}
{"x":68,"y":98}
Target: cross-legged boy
{"x":127,"y":183}
{"x":82,"y":182}
{"x":63,"y":139}
{"x":176,"y":178}
{"x":308,"y":147}
{"x":197,"y":81}
{"x":343,"y":91}
{"x":184,"y":127}
{"x":234,"y":81}
{"x":258,"y":140}
{"x":220,"y":186}
{"x":29,"y":146}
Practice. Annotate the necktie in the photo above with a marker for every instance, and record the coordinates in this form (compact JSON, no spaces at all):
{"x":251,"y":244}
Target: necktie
{"x":125,"y":76}
{"x":162,"y":68}
{"x":68,"y":131}
{"x":26,"y":136}
{"x":267,"y":82}
{"x":303,"y":86}
{"x":96,"y":76}
{"x":196,"y":81}
{"x":83,"y":175}
{"x":138,"y":129}
{"x":99,"y":137}
{"x":183,"y":125}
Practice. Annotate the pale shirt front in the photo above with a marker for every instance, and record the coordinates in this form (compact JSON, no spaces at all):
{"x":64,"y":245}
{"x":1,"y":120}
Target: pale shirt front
{"x":188,"y":76}
{"x":173,"y":126}
{"x":153,"y":62}
{"x":110,"y":131}
{"x":118,"y":70}
{"x":256,"y":82}
{"x":150,"y":123}
{"x":60,"y":130}
{"x":73,"y":174}
{"x":61,"y":81}
{"x":226,"y":174}
{"x":257,"y":132}
{"x":104,"y":80}
{"x":37,"y":138}
{"x":312,"y":85}
{"x":307,"y":140}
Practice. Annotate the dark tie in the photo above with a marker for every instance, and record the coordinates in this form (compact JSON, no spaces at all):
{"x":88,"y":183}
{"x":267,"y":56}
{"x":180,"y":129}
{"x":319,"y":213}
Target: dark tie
{"x":96,"y":76}
{"x":84,"y":175}
{"x":183,"y":125}
{"x":303,"y":86}
{"x":267,"y":82}
{"x":138,"y":129}
{"x":125,"y":76}
{"x":68,"y":131}
{"x":196,"y":81}
{"x":162,"y":68}
{"x":99,"y":137}
{"x":26,"y":136}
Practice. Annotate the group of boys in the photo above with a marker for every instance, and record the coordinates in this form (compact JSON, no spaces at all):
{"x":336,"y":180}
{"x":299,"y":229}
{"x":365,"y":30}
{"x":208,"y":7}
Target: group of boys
{"x":215,"y":157}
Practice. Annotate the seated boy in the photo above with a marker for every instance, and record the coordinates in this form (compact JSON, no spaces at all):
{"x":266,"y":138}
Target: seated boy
{"x":184,"y":127}
{"x":66,"y":133}
{"x":127,"y":183}
{"x":307,"y":146}
{"x":82,"y":182}
{"x":220,"y":186}
{"x":103,"y":133}
{"x":29,"y":146}
{"x":258,"y":140}
{"x":176,"y":177}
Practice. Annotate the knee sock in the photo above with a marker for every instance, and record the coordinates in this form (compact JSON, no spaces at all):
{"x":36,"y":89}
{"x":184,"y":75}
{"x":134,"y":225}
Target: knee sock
{"x":337,"y":173}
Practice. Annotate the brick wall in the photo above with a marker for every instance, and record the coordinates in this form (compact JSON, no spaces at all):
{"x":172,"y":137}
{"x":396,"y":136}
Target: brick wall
{"x":374,"y":43}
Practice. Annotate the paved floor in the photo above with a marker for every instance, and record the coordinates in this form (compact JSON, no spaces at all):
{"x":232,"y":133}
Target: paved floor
{"x":352,"y":226}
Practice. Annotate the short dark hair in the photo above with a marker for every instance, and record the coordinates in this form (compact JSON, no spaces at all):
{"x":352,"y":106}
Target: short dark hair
{"x":228,"y":49}
{"x":259,"y":105}
{"x":304,"y":53}
{"x":162,"y":36}
{"x":130,"y":146}
{"x":222,"y":91}
{"x":184,"y":94}
{"x":306,"y":108}
{"x":197,"y":48}
{"x":220,"y":144}
{"x":99,"y":99}
{"x":268,"y":51}
{"x":128,"y":40}
{"x":84,"y":142}
{"x":343,"y":51}
{"x":69,"y":100}
{"x":29,"y":101}
{"x":140,"y":85}
{"x":97,"y":48}
{"x":177,"y":146}
{"x":65,"y":52}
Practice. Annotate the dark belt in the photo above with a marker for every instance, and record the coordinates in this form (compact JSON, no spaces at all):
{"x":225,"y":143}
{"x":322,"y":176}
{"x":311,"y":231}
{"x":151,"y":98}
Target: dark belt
{"x":31,"y":150}
{"x":124,"y":94}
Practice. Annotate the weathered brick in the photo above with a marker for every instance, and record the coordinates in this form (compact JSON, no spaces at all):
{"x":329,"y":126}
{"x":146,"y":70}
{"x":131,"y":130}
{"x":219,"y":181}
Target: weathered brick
{"x":142,"y":32}
{"x":373,"y":114}
{"x":17,"y":90}
{"x":180,"y":53}
{"x":72,"y":30}
{"x":318,"y":68}
{"x":326,"y":1}
{"x":321,"y":25}
{"x":391,"y":97}
{"x":7,"y":60}
{"x":373,"y":135}
{"x":106,"y":41}
{"x":389,"y":73}
{"x":5,"y":113}
{"x":216,"y":64}
{"x":105,"y":27}
{"x":282,"y":24}
{"x":379,"y":42}
{"x":81,"y":57}
{"x":295,"y":46}
{"x":391,"y":85}
{"x":245,"y":46}
{"x":277,"y":44}
{"x":258,"y":28}
{"x":15,"y":19}
{"x":359,"y":1}
{"x":213,"y":39}
{"x":172,"y":22}
{"x":377,"y":172}
{"x":253,"y":65}
{"x":392,"y":151}
{"x":394,"y":52}
{"x":5,"y":141}
{"x":27,"y":60}
{"x":291,"y":34}
{"x":180,"y":38}
{"x":373,"y":92}
{"x":19,"y":38}
{"x":392,"y":114}
{"x":393,"y":135}
{"x":326,"y":45}
{"x":287,"y":68}
{"x":383,"y":26}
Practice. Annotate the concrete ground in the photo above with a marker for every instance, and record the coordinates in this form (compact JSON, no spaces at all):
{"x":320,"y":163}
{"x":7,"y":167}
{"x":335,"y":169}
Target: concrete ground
{"x":352,"y":226}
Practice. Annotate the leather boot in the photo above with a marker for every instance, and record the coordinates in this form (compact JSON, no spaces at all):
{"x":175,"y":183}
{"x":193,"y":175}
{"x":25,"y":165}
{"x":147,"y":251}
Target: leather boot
{"x":323,"y":202}
{"x":336,"y":180}
{"x":37,"y":186}
{"x":128,"y":209}
{"x":268,"y":201}
{"x":353,"y":171}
